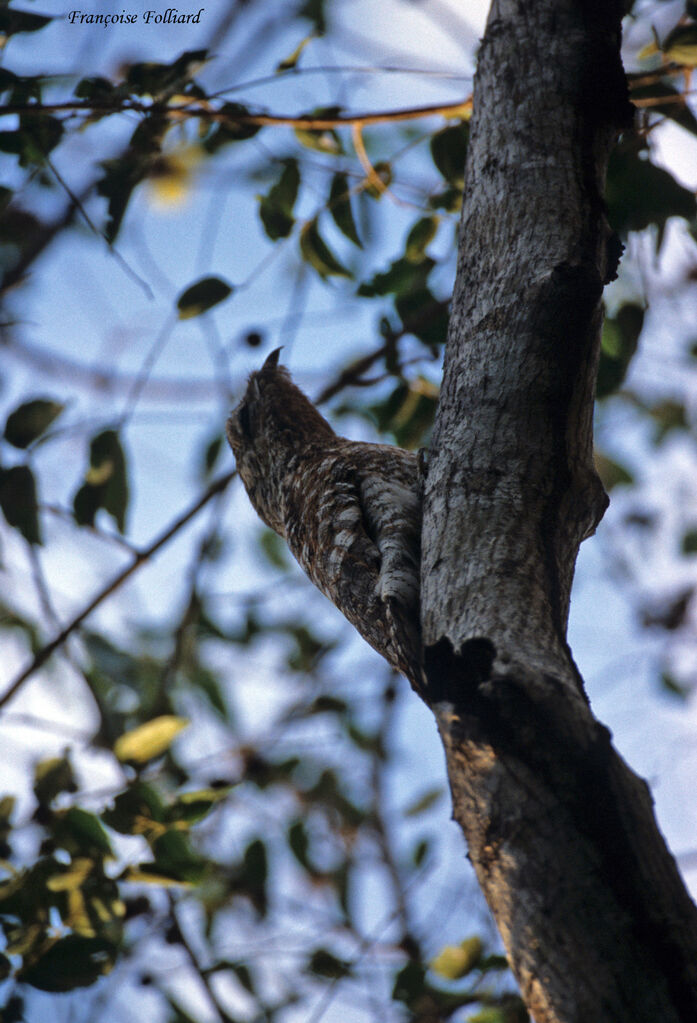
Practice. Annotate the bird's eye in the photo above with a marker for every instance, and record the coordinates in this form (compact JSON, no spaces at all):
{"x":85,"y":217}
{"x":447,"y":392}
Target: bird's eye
{"x":245,"y":422}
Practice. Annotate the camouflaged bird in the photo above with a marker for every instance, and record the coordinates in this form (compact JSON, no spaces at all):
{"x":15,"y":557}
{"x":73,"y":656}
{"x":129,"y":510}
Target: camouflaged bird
{"x":349,"y":511}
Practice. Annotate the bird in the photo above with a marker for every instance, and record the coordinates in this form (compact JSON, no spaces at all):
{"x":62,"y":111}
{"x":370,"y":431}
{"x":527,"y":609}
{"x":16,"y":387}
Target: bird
{"x":349,"y":511}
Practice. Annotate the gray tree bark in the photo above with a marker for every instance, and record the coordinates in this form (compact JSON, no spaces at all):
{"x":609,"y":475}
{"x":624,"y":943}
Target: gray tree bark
{"x":595,"y":918}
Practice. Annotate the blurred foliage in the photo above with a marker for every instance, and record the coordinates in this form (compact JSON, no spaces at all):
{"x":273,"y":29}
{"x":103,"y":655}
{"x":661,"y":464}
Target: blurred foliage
{"x":203,"y":859}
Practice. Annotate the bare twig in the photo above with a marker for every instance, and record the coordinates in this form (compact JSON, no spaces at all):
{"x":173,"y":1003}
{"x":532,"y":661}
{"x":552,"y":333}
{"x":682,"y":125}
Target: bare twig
{"x":139,"y":558}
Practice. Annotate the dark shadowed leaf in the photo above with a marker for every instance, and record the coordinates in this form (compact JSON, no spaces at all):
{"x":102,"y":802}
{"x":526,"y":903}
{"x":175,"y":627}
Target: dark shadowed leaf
{"x":81,"y":833}
{"x":639,"y":193}
{"x":317,"y":253}
{"x":314,"y":10}
{"x":72,"y":962}
{"x":133,"y":808}
{"x":175,"y":858}
{"x":51,"y":777}
{"x":211,"y":454}
{"x":324,"y":964}
{"x":671,"y":685}
{"x":231,"y":129}
{"x":620,"y":339}
{"x":611,"y":472}
{"x":191,"y":807}
{"x":30,"y":420}
{"x":201,"y":296}
{"x":449,"y":150}
{"x":420,"y":236}
{"x":106,"y":482}
{"x":13,"y":21}
{"x":689,"y":542}
{"x":19,"y":503}
{"x":276,"y":207}
{"x":339,"y":206}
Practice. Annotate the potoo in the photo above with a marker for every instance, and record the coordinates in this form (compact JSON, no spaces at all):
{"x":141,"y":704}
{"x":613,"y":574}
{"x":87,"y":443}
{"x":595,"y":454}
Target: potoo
{"x":349,"y":511}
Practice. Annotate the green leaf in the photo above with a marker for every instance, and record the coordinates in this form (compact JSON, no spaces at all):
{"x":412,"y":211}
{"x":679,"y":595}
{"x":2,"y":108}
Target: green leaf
{"x":449,"y":151}
{"x":201,"y":296}
{"x":323,"y":140}
{"x":299,"y":844}
{"x":424,"y":802}
{"x":211,"y":455}
{"x":106,"y":483}
{"x":96,"y":88}
{"x":400,"y":278}
{"x":19,"y":502}
{"x":276,"y":207}
{"x":5,"y":968}
{"x":36,"y":136}
{"x":175,"y":858}
{"x":317,"y":253}
{"x":420,"y":236}
{"x":149,"y":740}
{"x":639,"y":193}
{"x":611,"y":473}
{"x":124,"y":173}
{"x":689,"y":542}
{"x":420,"y":851}
{"x":409,"y":983}
{"x":314,"y":10}
{"x":30,"y":420}
{"x":620,"y":339}
{"x":424,"y":316}
{"x":149,"y":78}
{"x":71,"y":962}
{"x":274,"y":549}
{"x":668,"y":415}
{"x":134,"y":808}
{"x":671,"y":685}
{"x":81,"y":833}
{"x":52,"y":776}
{"x":192,"y":807}
{"x":339,"y":206}
{"x":253,"y":875}
{"x":13,"y":1010}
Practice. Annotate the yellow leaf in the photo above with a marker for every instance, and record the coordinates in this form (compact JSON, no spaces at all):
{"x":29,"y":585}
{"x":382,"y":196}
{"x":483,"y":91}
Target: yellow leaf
{"x":455,"y":961}
{"x":79,"y":870}
{"x":149,"y":740}
{"x":171,"y":175}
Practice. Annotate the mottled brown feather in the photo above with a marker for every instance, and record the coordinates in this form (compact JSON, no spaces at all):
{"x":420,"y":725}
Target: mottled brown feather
{"x":349,"y":511}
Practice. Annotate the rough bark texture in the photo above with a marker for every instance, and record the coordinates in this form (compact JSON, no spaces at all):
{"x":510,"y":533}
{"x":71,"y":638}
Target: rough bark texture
{"x":595,"y":918}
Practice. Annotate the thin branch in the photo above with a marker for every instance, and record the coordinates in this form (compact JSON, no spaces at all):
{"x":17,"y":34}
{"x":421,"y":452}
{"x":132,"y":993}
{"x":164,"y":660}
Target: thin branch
{"x":408,"y":941}
{"x":139,"y":558}
{"x":147,"y":290}
{"x":199,"y":108}
{"x":371,"y":174}
{"x":193,"y":959}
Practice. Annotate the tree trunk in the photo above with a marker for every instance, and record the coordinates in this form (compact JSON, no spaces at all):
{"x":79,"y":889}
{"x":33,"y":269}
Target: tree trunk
{"x":596,"y":921}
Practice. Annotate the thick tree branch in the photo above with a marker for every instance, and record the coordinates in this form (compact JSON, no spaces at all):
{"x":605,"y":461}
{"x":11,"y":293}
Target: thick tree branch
{"x":595,"y":918}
